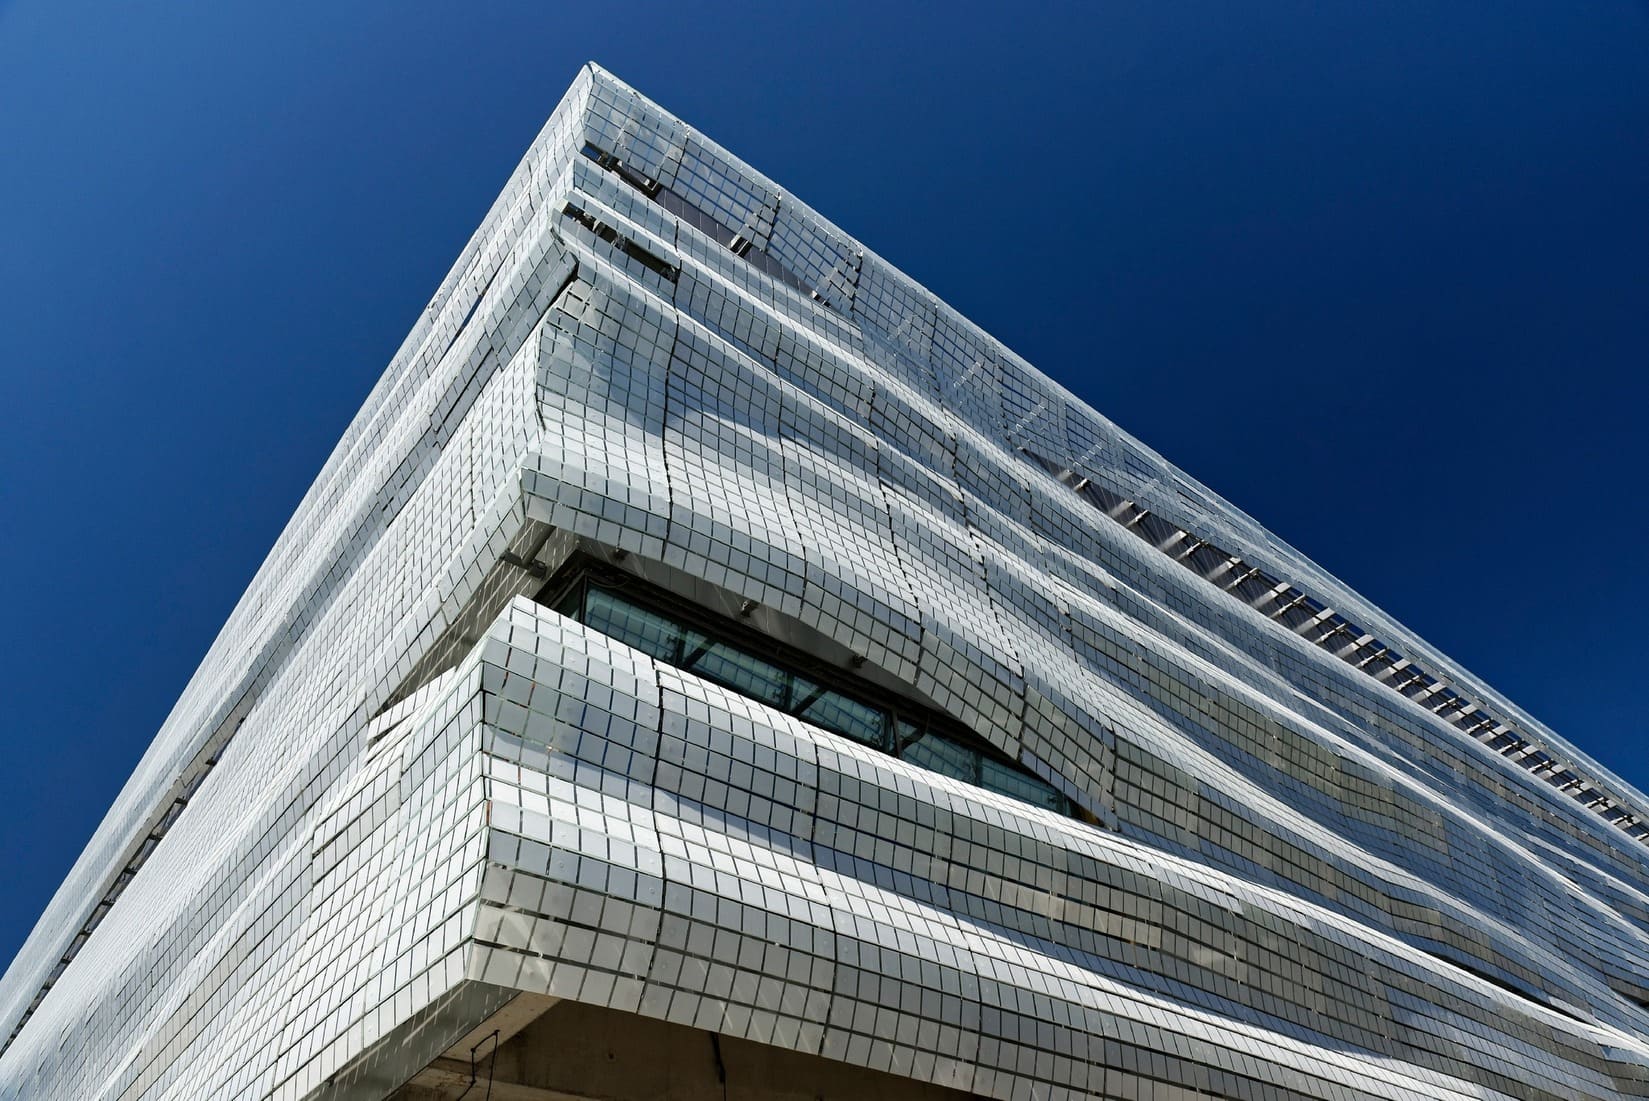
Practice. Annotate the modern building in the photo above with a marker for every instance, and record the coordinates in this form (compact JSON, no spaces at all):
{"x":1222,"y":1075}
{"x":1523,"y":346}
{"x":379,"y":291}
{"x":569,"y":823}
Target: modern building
{"x":710,"y":667}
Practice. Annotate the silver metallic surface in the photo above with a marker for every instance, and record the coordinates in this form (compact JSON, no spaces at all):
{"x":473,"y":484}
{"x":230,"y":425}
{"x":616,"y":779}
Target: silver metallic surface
{"x":407,"y":789}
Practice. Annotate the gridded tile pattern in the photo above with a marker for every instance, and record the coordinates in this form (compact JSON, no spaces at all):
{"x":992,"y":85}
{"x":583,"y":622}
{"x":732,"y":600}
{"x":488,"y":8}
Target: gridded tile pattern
{"x":1301,"y":884}
{"x":661,"y":845}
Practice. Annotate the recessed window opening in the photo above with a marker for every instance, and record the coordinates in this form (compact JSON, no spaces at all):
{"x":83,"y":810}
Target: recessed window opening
{"x":705,"y":222}
{"x":656,"y":264}
{"x":632,"y":612}
{"x":1539,"y":998}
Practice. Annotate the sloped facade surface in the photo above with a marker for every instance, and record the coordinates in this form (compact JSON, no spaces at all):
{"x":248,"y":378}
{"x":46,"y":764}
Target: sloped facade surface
{"x":1305,"y":856}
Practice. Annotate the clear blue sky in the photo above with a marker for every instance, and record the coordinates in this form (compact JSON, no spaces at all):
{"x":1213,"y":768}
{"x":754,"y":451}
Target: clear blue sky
{"x":1378,"y":273}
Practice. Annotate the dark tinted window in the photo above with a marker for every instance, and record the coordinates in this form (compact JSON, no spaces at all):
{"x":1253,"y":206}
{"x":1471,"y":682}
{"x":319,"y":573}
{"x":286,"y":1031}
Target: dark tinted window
{"x":710,"y":656}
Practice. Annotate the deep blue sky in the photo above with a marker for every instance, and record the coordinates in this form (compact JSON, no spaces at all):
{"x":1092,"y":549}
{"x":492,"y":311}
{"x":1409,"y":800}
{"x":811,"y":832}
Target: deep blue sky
{"x":1379,"y":273}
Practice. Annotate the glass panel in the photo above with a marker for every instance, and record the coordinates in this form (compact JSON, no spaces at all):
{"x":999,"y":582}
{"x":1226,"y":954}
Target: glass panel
{"x":1008,"y":780}
{"x":843,"y":714}
{"x":572,"y":605}
{"x":905,"y":733}
{"x":802,"y":693}
{"x":647,"y":631}
{"x":665,"y":639}
{"x":944,"y":757}
{"x":734,"y":668}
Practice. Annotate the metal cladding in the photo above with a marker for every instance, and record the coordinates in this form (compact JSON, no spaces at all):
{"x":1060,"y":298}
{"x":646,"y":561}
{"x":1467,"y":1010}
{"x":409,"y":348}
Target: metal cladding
{"x":1308,"y":857}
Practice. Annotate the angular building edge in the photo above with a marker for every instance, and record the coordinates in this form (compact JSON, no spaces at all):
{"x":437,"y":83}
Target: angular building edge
{"x":427,"y":811}
{"x":187,"y":738}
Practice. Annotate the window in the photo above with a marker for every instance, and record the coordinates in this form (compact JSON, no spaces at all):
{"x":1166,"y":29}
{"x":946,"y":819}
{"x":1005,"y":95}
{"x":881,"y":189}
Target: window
{"x":647,"y":631}
{"x":688,"y":639}
{"x":944,"y":756}
{"x":843,"y":714}
{"x":743,"y":673}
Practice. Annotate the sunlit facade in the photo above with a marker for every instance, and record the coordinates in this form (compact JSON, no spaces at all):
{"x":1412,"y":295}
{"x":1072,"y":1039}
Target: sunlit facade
{"x":710,"y":662}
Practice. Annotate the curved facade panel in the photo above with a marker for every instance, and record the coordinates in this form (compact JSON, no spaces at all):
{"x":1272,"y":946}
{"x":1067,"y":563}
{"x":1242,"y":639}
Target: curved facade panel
{"x":702,"y":624}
